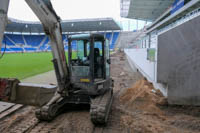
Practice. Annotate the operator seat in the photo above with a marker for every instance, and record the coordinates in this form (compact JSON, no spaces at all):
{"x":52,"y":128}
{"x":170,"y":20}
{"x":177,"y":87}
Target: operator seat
{"x":97,"y":63}
{"x":96,"y":55}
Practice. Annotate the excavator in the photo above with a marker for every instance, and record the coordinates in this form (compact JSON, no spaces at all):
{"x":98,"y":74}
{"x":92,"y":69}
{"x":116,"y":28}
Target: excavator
{"x":82,"y":80}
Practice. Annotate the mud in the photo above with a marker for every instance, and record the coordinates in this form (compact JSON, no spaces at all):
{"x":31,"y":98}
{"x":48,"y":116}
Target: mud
{"x":137,"y":108}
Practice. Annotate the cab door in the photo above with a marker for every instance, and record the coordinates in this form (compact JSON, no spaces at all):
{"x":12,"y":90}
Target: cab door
{"x":99,"y":59}
{"x":107,"y":59}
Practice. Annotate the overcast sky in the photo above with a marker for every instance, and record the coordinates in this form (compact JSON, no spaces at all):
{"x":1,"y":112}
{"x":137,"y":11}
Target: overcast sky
{"x":76,"y":9}
{"x":69,"y":9}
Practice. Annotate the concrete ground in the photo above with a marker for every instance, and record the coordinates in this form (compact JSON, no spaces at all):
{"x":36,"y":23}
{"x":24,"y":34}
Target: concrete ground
{"x":45,"y":78}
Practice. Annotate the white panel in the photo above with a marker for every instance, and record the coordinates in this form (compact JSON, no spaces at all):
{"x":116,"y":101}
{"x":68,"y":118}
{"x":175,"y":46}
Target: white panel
{"x":139,"y":58}
{"x":153,"y":40}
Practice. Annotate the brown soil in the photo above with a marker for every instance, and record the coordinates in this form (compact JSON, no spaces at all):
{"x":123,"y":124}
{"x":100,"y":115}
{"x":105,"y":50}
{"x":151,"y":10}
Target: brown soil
{"x":153,"y":114}
{"x":137,"y":108}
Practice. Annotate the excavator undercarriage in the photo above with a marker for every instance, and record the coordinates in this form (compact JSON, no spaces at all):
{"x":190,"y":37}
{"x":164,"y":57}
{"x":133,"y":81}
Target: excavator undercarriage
{"x":50,"y":104}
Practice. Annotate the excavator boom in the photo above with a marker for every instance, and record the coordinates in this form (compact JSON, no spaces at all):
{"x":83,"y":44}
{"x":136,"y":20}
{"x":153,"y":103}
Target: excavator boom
{"x":52,"y":27}
{"x":11,"y":90}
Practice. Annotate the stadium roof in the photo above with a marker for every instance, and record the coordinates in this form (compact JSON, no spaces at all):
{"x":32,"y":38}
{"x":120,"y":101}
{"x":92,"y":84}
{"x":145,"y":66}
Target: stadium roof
{"x":144,"y":9}
{"x":79,"y":25}
{"x":168,"y":18}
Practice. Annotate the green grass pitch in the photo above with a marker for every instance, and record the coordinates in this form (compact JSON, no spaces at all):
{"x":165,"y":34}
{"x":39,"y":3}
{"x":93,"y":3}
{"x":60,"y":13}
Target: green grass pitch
{"x":23,"y":65}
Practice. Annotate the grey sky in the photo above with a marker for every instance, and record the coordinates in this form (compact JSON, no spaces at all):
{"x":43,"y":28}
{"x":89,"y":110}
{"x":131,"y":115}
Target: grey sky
{"x":69,"y":9}
{"x":75,"y":9}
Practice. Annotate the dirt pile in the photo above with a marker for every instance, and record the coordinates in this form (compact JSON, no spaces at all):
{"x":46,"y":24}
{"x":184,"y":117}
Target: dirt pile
{"x":145,"y":110}
{"x":143,"y":101}
{"x":142,"y":96}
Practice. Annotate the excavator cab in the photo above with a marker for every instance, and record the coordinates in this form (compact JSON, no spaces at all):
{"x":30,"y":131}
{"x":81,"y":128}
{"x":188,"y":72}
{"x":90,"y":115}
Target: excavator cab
{"x":89,"y":58}
{"x":89,"y":72}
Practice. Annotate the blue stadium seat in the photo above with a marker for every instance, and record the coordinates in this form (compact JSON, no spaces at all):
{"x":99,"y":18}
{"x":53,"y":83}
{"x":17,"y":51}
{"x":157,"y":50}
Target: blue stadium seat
{"x":17,"y":49}
{"x":34,"y":40}
{"x":15,"y":38}
{"x":43,"y":47}
{"x":30,"y":49}
{"x":7,"y":41}
{"x":41,"y":40}
{"x":49,"y":48}
{"x":108,"y":35}
{"x":112,"y":37}
{"x":46,"y":41}
{"x":7,"y":50}
{"x":115,"y":37}
{"x":64,"y":37}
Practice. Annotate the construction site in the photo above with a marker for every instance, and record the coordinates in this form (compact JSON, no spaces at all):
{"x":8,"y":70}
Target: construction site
{"x":100,"y":78}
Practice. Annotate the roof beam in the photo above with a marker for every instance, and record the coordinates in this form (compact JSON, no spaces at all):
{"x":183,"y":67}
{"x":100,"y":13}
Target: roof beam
{"x":146,"y":9}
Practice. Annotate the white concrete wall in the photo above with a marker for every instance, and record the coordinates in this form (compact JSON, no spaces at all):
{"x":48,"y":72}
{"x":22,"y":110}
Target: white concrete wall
{"x":139,"y":58}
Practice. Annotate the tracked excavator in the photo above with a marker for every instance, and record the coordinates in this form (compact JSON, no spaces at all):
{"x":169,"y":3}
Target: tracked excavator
{"x":83,"y":80}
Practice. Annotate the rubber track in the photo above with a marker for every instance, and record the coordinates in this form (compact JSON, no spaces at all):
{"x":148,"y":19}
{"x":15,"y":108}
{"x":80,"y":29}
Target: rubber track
{"x":100,"y":107}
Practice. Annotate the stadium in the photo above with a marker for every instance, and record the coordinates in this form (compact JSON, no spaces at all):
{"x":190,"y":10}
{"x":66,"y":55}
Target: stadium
{"x":150,"y":59}
{"x":29,"y":37}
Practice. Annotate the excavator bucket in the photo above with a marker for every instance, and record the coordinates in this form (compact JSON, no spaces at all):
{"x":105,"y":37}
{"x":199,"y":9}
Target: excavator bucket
{"x":11,"y":90}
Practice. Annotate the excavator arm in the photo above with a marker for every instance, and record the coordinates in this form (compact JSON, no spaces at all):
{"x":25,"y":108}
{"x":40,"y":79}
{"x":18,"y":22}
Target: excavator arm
{"x":10,"y":89}
{"x":52,"y":27}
